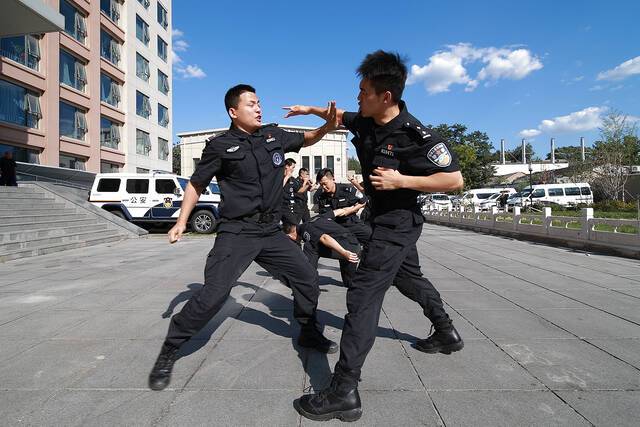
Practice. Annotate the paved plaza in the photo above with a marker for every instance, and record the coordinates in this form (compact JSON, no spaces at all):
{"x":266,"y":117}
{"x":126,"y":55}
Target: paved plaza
{"x":552,"y":338}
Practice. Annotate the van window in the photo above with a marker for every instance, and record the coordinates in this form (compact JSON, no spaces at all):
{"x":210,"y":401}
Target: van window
{"x":108,"y":185}
{"x":585,"y":191}
{"x":537,"y":193}
{"x":137,"y":186}
{"x":214,"y":188}
{"x":483,"y":196}
{"x":556,"y":192}
{"x":183,"y":183}
{"x":572,"y":191}
{"x":165,"y":186}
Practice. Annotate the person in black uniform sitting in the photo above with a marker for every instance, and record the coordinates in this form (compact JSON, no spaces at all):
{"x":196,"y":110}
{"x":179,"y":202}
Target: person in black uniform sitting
{"x":344,"y":197}
{"x":400,"y":159}
{"x":248,"y":161}
{"x":323,"y":237}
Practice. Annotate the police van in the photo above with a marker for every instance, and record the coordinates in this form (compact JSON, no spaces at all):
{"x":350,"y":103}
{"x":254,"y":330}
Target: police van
{"x":155,"y":197}
{"x":475,"y":197}
{"x":567,"y":195}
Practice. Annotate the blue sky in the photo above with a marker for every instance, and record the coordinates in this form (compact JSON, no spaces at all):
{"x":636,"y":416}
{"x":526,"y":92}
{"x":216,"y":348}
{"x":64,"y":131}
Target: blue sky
{"x":539,"y":69}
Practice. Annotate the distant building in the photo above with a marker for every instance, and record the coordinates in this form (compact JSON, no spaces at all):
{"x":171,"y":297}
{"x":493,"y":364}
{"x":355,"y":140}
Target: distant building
{"x":330,"y":152}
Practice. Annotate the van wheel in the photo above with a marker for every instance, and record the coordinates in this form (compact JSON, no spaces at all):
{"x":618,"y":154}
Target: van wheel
{"x":119,"y":214}
{"x":203,"y":222}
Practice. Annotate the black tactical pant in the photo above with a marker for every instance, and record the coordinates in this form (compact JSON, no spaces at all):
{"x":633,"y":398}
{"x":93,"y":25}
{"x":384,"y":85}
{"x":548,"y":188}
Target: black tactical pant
{"x":303,"y":211}
{"x":356,"y":227}
{"x":232,"y":253}
{"x":313,"y":251}
{"x":390,"y":258}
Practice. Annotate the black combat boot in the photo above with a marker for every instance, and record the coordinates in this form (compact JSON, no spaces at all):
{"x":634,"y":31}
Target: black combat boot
{"x":311,"y":337}
{"x":340,"y":400}
{"x":445,"y":340}
{"x":160,"y":375}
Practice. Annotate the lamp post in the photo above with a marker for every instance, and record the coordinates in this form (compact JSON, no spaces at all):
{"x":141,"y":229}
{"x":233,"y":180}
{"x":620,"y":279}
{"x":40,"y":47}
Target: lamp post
{"x":530,"y":182}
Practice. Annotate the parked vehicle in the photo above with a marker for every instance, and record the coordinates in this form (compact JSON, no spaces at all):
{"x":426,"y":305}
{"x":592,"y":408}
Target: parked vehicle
{"x":471,"y":198}
{"x":490,"y":202}
{"x":436,"y":201}
{"x":566,"y":195}
{"x":154,"y":198}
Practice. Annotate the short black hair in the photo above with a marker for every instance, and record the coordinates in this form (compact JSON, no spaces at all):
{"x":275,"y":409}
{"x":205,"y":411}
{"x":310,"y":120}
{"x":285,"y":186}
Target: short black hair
{"x":386,"y":71}
{"x":324,"y":172}
{"x":302,"y":170}
{"x":288,"y":227}
{"x":232,"y":97}
{"x":289,"y":162}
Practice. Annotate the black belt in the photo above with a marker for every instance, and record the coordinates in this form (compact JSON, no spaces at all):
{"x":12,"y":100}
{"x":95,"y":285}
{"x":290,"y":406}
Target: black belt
{"x":262,"y":217}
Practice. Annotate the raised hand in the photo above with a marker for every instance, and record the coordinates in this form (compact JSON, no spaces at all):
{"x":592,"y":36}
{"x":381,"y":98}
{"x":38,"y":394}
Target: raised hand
{"x":332,"y":116}
{"x":296,"y":110}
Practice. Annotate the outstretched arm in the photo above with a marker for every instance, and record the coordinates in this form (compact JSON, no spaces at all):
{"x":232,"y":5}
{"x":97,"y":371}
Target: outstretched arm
{"x":391,"y":179}
{"x":332,"y":243}
{"x":313,"y":136}
{"x":304,"y":110}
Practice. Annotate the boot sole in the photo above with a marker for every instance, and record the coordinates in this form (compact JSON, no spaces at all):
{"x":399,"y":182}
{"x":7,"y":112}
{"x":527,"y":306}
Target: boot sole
{"x":445,"y":349}
{"x":346,"y":416}
{"x":330,"y":350}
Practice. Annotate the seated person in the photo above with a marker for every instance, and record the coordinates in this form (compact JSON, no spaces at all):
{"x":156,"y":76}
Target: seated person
{"x":323,"y":237}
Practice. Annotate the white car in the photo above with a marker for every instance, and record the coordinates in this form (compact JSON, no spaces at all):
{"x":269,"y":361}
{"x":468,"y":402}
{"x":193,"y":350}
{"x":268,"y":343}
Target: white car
{"x":490,"y":202}
{"x":154,"y":198}
{"x":437,"y":201}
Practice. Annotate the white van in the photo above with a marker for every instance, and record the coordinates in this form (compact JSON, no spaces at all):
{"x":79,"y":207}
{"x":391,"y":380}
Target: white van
{"x":568,"y":195}
{"x":154,"y":198}
{"x":476,"y":196}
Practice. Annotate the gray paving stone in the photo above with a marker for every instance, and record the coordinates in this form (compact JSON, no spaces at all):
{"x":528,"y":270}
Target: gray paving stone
{"x":118,"y":325}
{"x":590,"y":323}
{"x":14,"y":346}
{"x":499,"y":408}
{"x":540,"y":298}
{"x":476,"y":300}
{"x":43,"y":324}
{"x":606,"y":408}
{"x":512,"y":324}
{"x":413,"y":324}
{"x":625,"y":349}
{"x":572,"y":365}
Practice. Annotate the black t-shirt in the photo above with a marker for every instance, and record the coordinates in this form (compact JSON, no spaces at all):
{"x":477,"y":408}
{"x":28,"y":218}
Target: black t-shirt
{"x":301,"y":198}
{"x":249,"y":169}
{"x":312,"y":230}
{"x":290,"y":190}
{"x":403,"y":144}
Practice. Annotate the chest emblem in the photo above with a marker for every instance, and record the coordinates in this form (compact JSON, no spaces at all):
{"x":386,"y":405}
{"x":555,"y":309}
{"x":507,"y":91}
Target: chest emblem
{"x":167,"y":202}
{"x":277,"y":159}
{"x":270,"y":138}
{"x":233,"y":149}
{"x":306,"y":236}
{"x":439,"y":155}
{"x":388,"y":150}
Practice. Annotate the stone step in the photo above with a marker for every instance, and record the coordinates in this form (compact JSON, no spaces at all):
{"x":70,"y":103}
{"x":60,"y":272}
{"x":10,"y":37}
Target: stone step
{"x":50,"y":241}
{"x":20,"y":189}
{"x":19,"y":226}
{"x":38,"y":233}
{"x":37,"y":219}
{"x":24,"y":196}
{"x":37,"y":210}
{"x":49,"y":249}
{"x":26,"y":204}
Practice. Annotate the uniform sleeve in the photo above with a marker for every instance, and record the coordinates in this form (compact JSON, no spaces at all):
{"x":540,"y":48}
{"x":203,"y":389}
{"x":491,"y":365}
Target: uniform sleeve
{"x":439,"y":157}
{"x":291,"y":141}
{"x":352,"y":197}
{"x":349,"y":120}
{"x":208,"y":166}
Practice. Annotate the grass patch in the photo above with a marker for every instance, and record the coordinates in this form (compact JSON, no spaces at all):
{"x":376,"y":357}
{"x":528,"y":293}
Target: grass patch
{"x":627,"y":229}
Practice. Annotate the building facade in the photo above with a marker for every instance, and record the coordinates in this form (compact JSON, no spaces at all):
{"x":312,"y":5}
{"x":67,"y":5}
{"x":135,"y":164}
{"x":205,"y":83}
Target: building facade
{"x":81,"y":98}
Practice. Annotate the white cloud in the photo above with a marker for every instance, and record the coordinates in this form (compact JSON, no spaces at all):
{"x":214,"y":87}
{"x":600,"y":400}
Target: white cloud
{"x":588,"y":119}
{"x":446,"y":68}
{"x":180,"y":46}
{"x":191,"y":72}
{"x":529,"y":133}
{"x":176,"y":33}
{"x":622,"y":71}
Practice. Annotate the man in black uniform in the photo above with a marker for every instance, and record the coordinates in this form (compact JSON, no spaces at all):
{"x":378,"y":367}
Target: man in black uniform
{"x":306,"y":185}
{"x":289,"y":190}
{"x":400,"y":158}
{"x":323,"y":237}
{"x":8,"y":170}
{"x":248,"y":162}
{"x":342,"y":196}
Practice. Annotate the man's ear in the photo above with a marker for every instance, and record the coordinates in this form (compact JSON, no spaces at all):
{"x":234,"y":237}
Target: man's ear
{"x":232,"y":113}
{"x":388,"y":98}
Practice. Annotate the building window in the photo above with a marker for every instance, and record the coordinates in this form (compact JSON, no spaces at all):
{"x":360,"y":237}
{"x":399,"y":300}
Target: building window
{"x":106,"y":167}
{"x":22,"y":49}
{"x":143,"y":106}
{"x":195,"y":163}
{"x":74,"y":21}
{"x":317,"y":164}
{"x":72,"y":162}
{"x":109,"y":48}
{"x":145,"y":3}
{"x":111,"y":8}
{"x":18,"y":105}
{"x":163,"y":115}
{"x":142,"y":31}
{"x":330,"y":163}
{"x":73,"y":123}
{"x":143,"y":143}
{"x":163,"y":16}
{"x":142,"y":170}
{"x":305,"y":162}
{"x":142,"y":67}
{"x":163,"y":82}
{"x":109,"y":90}
{"x":22,"y":154}
{"x":163,"y":149}
{"x":162,"y":49}
{"x":72,"y":71}
{"x":109,"y":133}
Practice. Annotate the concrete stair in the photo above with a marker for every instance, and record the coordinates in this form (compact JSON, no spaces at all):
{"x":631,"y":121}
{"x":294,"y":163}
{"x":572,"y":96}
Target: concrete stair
{"x":36,"y":221}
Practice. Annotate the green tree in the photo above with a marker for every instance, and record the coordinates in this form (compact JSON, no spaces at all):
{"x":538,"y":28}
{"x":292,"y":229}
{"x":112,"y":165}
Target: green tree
{"x":571,"y":154}
{"x":176,"y":159}
{"x":354,"y":165}
{"x":474,"y":153}
{"x":515,"y":155}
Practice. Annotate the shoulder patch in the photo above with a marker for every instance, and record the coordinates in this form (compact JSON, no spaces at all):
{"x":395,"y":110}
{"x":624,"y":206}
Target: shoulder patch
{"x":269,"y":125}
{"x":306,"y":236}
{"x":439,"y":155}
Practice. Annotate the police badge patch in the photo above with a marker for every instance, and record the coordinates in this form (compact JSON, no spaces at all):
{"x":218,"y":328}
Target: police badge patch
{"x":277,"y":159}
{"x":439,"y":155}
{"x":306,"y":236}
{"x":167,"y":202}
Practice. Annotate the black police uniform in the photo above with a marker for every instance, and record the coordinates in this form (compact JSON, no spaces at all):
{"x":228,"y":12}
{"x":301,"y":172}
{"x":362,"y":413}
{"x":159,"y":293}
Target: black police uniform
{"x":390,"y":257}
{"x":250,"y":172}
{"x":302,"y":207}
{"x":312,"y":231}
{"x":343,"y":197}
{"x":290,"y":211}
